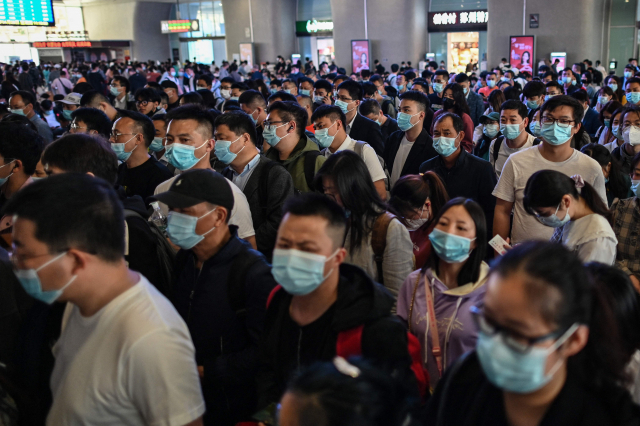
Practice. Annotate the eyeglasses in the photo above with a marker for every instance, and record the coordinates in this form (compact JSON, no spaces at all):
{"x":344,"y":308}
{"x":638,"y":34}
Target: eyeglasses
{"x":75,"y":127}
{"x":562,"y":122}
{"x":142,"y":103}
{"x":270,"y":123}
{"x":344,"y":99}
{"x":115,"y":136}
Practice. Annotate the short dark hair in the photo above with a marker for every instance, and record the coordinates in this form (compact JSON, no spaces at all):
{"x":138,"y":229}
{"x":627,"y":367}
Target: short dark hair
{"x":418,"y":97}
{"x":368,"y":89}
{"x":169,"y":85}
{"x":82,"y":153}
{"x":580,"y":96}
{"x":514,"y":105}
{"x":353,"y":87}
{"x":206,"y":78}
{"x":533,"y":88}
{"x":92,"y":99}
{"x":553,"y":75}
{"x":333,"y":112}
{"x":563,"y":100}
{"x":148,"y":94}
{"x":18,"y":142}
{"x":228,"y":80}
{"x":95,"y":119}
{"x":143,"y":124}
{"x":240,"y":86}
{"x":73,"y":210}
{"x":192,"y":98}
{"x":239,"y":123}
{"x":27,"y":96}
{"x":314,"y":204}
{"x":369,"y":106}
{"x":291,"y":111}
{"x":632,"y":80}
{"x":394,"y":67}
{"x":458,"y":124}
{"x":283,"y":96}
{"x":304,"y":80}
{"x":123,"y":82}
{"x":323,"y":84}
{"x":444,"y":73}
{"x":253,"y":99}
{"x":200,"y":114}
{"x":461,"y":78}
{"x":554,"y":84}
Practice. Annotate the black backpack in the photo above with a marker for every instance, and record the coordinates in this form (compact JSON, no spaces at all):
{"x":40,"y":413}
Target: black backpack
{"x":498,"y":144}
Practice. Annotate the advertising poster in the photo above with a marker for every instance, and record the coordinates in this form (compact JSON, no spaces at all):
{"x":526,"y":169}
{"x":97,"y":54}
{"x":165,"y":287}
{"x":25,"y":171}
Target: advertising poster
{"x":360,"y":55}
{"x":521,"y":53}
{"x":246,"y":52}
{"x":560,"y":56}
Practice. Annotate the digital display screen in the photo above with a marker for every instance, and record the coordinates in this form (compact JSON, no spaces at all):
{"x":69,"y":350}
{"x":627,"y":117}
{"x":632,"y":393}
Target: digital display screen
{"x":521,"y":52}
{"x":359,"y":55}
{"x":179,"y":26}
{"x":37,"y":13}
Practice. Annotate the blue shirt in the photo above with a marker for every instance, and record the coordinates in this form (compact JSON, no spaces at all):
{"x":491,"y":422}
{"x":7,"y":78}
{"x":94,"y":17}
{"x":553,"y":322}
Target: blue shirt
{"x":241,"y":179}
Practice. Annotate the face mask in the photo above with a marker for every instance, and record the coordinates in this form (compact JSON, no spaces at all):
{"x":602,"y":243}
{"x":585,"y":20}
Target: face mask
{"x":534,"y":126}
{"x":491,"y":83}
{"x":631,"y":135}
{"x":633,"y":97}
{"x":504,"y":78}
{"x":67,"y":114}
{"x":449,"y":247}
{"x":532,"y":104}
{"x":415,"y":224}
{"x":36,"y":178}
{"x":305,"y":92}
{"x":448,"y":103}
{"x":378,"y":123}
{"x":273,"y":91}
{"x":635,"y":187}
{"x":410,"y":85}
{"x":318,"y":99}
{"x":404,"y":121}
{"x":547,"y":97}
{"x":400,"y":87}
{"x":510,"y":131}
{"x":17,"y":111}
{"x":444,"y":146}
{"x":114,"y":91}
{"x":602,"y":100}
{"x":553,"y":221}
{"x":465,"y":90}
{"x":566,"y":80}
{"x":118,"y":148}
{"x":607,"y":121}
{"x":381,"y":93}
{"x":324,"y":138}
{"x":514,"y":371}
{"x":3,"y":180}
{"x":438,"y":87}
{"x":183,"y":157}
{"x":30,"y":281}
{"x":490,"y":130}
{"x":234,"y":98}
{"x":287,"y":91}
{"x":299,"y":272}
{"x":225,"y":93}
{"x":613,"y":86}
{"x":181,"y":229}
{"x":627,"y":74}
{"x":223,"y":152}
{"x":269,"y":134}
{"x":615,"y":128}
{"x":555,"y":134}
{"x":343,"y":106}
{"x":156,"y":145}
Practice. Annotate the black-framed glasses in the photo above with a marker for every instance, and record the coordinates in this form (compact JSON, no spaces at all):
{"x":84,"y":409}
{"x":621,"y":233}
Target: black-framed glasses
{"x":343,"y":99}
{"x":142,"y":103}
{"x":562,"y":122}
{"x":267,"y":123}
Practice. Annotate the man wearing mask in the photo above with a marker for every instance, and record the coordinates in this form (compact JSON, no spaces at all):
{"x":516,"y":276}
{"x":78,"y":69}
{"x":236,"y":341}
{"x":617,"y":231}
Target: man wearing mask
{"x":513,"y":123}
{"x":440,"y":80}
{"x":306,"y":86}
{"x":265,"y":184}
{"x":411,"y":145}
{"x":491,"y":80}
{"x":475,"y":102}
{"x":225,"y":92}
{"x":632,"y":91}
{"x":629,"y":72}
{"x":252,"y":102}
{"x":93,"y":99}
{"x":138,"y":80}
{"x":561,"y":118}
{"x":591,"y":119}
{"x":358,"y":127}
{"x":630,"y":130}
{"x":463,"y":174}
{"x":70,"y":103}
{"x":90,"y":121}
{"x":147,"y":102}
{"x":322,"y":91}
{"x":189,"y":145}
{"x":370,"y":108}
{"x":171,"y":89}
{"x":221,"y":291}
{"x":533,"y":94}
{"x":23,"y":103}
{"x":401,"y":84}
{"x":290,"y":87}
{"x":570,"y":81}
{"x":379,"y":93}
{"x":119,"y":90}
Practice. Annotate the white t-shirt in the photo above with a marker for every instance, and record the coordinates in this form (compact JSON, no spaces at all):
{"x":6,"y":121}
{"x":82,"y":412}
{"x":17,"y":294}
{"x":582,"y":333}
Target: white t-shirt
{"x":592,"y":238}
{"x":519,"y":168}
{"x":401,"y":158}
{"x":505,"y":152}
{"x":369,"y":157}
{"x":131,"y":363}
{"x":240,"y":214}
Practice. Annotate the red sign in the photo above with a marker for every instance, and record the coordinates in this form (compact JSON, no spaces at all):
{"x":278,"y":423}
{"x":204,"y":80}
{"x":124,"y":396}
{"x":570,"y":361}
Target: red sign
{"x":62,"y":44}
{"x":360,"y":55}
{"x":521,"y":53}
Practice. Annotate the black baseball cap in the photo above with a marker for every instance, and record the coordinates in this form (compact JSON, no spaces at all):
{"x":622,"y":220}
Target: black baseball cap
{"x":198,"y":186}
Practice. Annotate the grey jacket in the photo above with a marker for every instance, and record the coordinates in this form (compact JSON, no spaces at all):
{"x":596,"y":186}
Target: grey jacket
{"x":43,"y":129}
{"x":476,"y":106}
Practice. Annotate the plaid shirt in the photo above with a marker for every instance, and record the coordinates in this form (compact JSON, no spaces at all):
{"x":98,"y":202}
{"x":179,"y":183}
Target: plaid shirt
{"x":626,"y":225}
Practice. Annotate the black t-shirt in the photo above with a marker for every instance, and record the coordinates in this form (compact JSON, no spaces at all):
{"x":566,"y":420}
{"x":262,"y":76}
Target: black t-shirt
{"x":174,"y":105}
{"x":436,"y":101}
{"x":144,"y":179}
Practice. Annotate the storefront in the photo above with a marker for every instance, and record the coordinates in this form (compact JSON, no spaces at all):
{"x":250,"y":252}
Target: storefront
{"x":315,"y":40}
{"x":89,"y":51}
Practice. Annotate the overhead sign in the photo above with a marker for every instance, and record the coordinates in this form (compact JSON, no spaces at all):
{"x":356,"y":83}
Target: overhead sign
{"x":42,"y":44}
{"x":179,"y":26}
{"x":38,"y":13}
{"x":470,"y":20}
{"x":534,"y":20}
{"x":313,"y":27}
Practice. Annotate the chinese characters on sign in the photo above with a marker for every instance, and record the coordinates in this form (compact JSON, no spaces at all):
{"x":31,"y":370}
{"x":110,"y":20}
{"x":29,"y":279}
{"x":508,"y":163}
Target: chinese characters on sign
{"x":472,"y":20}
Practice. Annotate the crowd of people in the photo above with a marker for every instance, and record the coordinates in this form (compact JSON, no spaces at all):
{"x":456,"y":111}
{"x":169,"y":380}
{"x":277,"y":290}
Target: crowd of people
{"x":292,"y":245}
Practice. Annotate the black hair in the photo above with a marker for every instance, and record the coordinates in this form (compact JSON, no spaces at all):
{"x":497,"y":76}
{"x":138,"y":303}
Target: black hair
{"x":580,"y":96}
{"x":533,"y":88}
{"x":207,"y":98}
{"x":304,"y":80}
{"x":123,"y":82}
{"x":206,"y":78}
{"x":470,"y":272}
{"x":323,"y":84}
{"x":27,"y":97}
{"x":611,"y":107}
{"x":554,"y":84}
{"x":545,"y":188}
{"x":563,"y":100}
{"x":368,"y":89}
{"x":192,"y":98}
{"x":82,"y":153}
{"x":368,"y":107}
{"x":143,"y":125}
{"x":82,"y":213}
{"x":353,"y":182}
{"x":240,"y":86}
{"x":422,"y":83}
{"x":458,"y":124}
{"x":632,"y":80}
{"x":148,"y":94}
{"x":559,"y":287}
{"x":82,"y":88}
{"x":314,"y":204}
{"x":239,"y":123}
{"x":194,"y":112}
{"x":92,"y":99}
{"x":19,"y":119}
{"x":228,"y":80}
{"x":553,"y":75}
{"x":253,"y":99}
{"x":460,"y":105}
{"x":333,"y":112}
{"x":461,"y":78}
{"x":418,"y":97}
{"x":283,"y":96}
{"x":512,"y":93}
{"x":617,"y":182}
{"x":291,"y":111}
{"x":496,"y":99}
{"x":375,"y":78}
{"x":394,"y":67}
{"x":19,"y":142}
{"x":353,"y":87}
{"x":95,"y":119}
{"x":515,"y":106}
{"x":167,"y":84}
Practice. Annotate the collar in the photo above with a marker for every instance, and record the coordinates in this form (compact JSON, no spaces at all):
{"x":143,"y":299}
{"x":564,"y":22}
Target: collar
{"x":354,"y":119}
{"x":461,"y":158}
{"x":254,"y":161}
{"x":344,"y":146}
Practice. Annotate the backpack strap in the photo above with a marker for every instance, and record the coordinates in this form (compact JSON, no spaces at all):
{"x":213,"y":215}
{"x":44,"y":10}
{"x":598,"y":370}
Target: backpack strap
{"x":422,"y":375}
{"x":349,"y":342}
{"x":537,"y":141}
{"x":496,"y":150}
{"x":240,"y":267}
{"x":263,"y":186}
{"x":379,"y":240}
{"x":359,"y":149}
{"x":310,"y":166}
{"x":275,"y":290}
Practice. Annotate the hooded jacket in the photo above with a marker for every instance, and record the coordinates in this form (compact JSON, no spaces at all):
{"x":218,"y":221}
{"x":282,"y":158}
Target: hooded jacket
{"x":286,"y":347}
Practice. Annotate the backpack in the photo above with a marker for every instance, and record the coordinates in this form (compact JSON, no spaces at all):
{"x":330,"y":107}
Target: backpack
{"x":263,"y":186}
{"x":164,"y":250}
{"x":310,"y":167}
{"x":359,"y":149}
{"x":379,"y":240}
{"x":385,"y":105}
{"x":498,"y":144}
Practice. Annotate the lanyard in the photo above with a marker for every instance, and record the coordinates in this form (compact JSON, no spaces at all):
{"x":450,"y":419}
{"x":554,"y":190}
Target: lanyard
{"x":433,"y":325}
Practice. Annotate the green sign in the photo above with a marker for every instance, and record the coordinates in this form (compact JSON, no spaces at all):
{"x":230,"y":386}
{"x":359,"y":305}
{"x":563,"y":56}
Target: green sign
{"x":313,"y":27}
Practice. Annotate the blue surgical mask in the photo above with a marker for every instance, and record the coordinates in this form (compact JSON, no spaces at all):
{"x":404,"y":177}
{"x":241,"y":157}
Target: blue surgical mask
{"x":404,"y":121}
{"x":378,"y":122}
{"x":400,"y":87}
{"x":510,"y":131}
{"x":183,"y":157}
{"x":344,"y":106}
{"x":17,"y":111}
{"x":628,"y":74}
{"x":607,"y":121}
{"x":603,"y":100}
{"x":118,"y":148}
{"x":445,"y":146}
{"x":318,"y":99}
{"x":324,"y":138}
{"x":534,"y":126}
{"x":438,"y":87}
{"x":269,"y":134}
{"x":555,"y":134}
{"x":532,"y":104}
{"x":633,"y":97}
{"x":491,"y":83}
{"x":181,"y":229}
{"x":273,"y":91}
{"x":380,"y":92}
{"x":547,"y":97}
{"x":287,"y":91}
{"x":553,"y":221}
{"x":613,"y":86}
{"x":234,"y":98}
{"x":299,"y":272}
{"x":114,"y":91}
{"x":30,"y":281}
{"x":490,"y":130}
{"x":465,"y":90}
{"x":223,"y":152}
{"x":5,"y":179}
{"x":635,"y":187}
{"x":513,"y":371}
{"x":615,"y":129}
{"x":305,"y":92}
{"x":156,"y":145}
{"x":67,"y":114}
{"x":450,"y":248}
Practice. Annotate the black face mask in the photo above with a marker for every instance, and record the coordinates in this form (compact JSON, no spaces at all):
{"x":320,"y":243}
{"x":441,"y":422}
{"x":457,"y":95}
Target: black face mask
{"x":448,"y":103}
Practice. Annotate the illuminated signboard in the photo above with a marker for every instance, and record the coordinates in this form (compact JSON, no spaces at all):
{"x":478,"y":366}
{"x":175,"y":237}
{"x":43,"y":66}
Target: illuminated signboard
{"x":37,"y":13}
{"x":42,"y":44}
{"x":470,"y":20}
{"x":179,"y":26}
{"x":313,"y":27}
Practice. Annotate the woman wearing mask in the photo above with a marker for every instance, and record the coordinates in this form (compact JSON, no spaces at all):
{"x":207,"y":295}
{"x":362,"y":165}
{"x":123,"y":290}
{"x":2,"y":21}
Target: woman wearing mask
{"x":496,"y":99}
{"x":616,"y":182}
{"x":489,"y":130}
{"x":534,"y":126}
{"x":615,"y":84}
{"x":571,"y":206}
{"x":603,"y":97}
{"x":536,"y":362}
{"x":345,"y":178}
{"x":453,"y":100}
{"x":604,"y":133}
{"x":435,"y":300}
{"x":418,"y":199}
{"x":614,"y":135}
